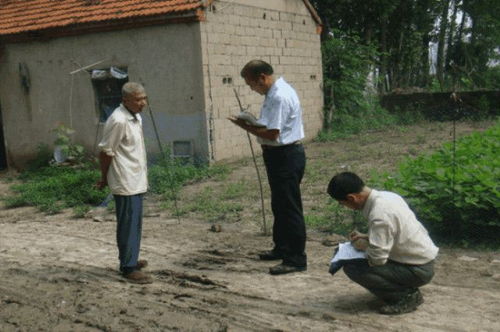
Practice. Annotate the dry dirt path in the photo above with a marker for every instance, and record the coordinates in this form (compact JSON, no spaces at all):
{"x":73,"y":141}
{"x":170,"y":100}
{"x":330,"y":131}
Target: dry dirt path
{"x":60,"y":273}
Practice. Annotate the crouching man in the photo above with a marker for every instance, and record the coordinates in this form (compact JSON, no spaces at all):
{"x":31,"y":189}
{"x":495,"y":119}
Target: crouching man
{"x":123,"y":169}
{"x":400,"y":253}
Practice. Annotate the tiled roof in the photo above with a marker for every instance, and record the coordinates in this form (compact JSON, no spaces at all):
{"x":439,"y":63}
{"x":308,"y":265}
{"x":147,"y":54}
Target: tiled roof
{"x":20,"y":16}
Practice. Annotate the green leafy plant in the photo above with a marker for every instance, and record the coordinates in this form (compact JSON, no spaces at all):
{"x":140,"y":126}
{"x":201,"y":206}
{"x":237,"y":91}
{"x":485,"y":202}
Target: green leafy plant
{"x":74,"y":152}
{"x":455,"y":190}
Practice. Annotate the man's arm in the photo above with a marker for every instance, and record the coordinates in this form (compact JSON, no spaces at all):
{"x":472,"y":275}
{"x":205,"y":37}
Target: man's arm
{"x":270,"y":134}
{"x":104,"y":162}
{"x":381,"y":239}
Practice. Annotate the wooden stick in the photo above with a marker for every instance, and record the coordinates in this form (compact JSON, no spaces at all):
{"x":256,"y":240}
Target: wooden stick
{"x":264,"y":224}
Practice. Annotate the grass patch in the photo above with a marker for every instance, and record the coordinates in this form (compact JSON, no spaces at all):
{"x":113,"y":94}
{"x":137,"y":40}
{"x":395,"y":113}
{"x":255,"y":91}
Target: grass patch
{"x":373,"y":118}
{"x":167,"y":177}
{"x":213,"y":207}
{"x":54,"y":188}
{"x":331,"y":217}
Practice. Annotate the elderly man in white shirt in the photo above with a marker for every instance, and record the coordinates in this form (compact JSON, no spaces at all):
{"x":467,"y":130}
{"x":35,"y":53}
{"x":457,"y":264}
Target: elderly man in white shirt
{"x":123,"y":169}
{"x":279,"y":134}
{"x":400,"y":253}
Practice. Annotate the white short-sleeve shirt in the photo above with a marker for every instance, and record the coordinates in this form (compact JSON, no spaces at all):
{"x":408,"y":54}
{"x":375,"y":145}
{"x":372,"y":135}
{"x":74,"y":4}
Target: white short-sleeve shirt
{"x":281,"y":110}
{"x":123,"y":140}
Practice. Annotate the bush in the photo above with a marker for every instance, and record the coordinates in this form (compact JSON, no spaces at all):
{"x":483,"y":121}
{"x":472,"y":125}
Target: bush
{"x":455,"y":191}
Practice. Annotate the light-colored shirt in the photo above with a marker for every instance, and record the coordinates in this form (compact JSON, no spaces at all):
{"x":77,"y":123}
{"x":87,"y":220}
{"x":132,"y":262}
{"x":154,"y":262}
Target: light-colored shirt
{"x":394,"y":231}
{"x":281,"y":110}
{"x":123,"y":140}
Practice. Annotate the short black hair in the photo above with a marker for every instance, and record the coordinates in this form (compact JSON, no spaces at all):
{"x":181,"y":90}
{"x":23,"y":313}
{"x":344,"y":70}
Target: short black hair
{"x":343,"y":184}
{"x":254,"y":68}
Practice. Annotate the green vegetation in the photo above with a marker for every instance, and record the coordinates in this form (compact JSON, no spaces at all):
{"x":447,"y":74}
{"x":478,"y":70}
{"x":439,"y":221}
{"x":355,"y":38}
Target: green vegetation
{"x":466,"y":33}
{"x":455,"y":190}
{"x":53,"y":188}
{"x":168,"y":175}
{"x":349,"y":108}
{"x":331,"y":217}
{"x":213,"y":207}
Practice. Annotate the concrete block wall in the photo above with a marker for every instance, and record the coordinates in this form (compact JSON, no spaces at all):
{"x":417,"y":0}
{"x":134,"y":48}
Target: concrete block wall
{"x":282,"y":33}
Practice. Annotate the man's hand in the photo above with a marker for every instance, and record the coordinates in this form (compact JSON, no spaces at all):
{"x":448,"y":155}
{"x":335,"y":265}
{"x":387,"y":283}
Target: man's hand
{"x":239,"y":122}
{"x":357,"y":235}
{"x":101,"y":184}
{"x":359,"y":240}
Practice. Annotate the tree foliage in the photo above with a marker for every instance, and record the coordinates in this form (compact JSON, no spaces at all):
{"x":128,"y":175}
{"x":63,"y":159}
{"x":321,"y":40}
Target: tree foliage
{"x":466,"y":32}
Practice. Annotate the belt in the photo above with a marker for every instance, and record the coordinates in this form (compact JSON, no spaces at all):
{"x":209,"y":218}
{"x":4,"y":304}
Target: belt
{"x":276,"y":147}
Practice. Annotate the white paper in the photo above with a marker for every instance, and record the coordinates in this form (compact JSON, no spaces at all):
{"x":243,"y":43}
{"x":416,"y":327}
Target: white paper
{"x":346,"y":252}
{"x":249,"y":118}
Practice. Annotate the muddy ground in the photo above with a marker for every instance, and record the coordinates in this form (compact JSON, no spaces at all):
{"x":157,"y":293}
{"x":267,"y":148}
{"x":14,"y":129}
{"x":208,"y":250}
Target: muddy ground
{"x":60,"y":273}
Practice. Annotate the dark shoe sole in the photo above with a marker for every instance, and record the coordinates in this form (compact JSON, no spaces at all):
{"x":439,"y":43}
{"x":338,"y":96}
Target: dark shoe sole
{"x":138,"y":277}
{"x":284,"y":269}
{"x":411,"y":304}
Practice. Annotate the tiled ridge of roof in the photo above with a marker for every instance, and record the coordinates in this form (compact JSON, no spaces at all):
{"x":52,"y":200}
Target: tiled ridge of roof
{"x":18,"y":16}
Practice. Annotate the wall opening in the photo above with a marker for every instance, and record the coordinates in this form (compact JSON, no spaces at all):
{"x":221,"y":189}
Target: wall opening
{"x":3,"y":152}
{"x":108,"y":85}
{"x":182,"y":150}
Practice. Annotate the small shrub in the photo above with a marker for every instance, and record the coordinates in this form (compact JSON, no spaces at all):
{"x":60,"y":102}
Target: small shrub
{"x":455,"y":191}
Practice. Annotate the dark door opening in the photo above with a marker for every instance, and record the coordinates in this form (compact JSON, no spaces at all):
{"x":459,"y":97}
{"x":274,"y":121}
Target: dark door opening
{"x":3,"y":153}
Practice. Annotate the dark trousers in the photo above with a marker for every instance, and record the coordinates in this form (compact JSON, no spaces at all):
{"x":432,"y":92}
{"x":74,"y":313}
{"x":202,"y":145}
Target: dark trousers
{"x":129,"y":230}
{"x":391,"y":281}
{"x":285,"y":168}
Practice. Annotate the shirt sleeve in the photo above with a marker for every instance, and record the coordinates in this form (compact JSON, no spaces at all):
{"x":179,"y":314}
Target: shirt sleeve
{"x":274,"y":114}
{"x":113,"y":134}
{"x":381,"y":240}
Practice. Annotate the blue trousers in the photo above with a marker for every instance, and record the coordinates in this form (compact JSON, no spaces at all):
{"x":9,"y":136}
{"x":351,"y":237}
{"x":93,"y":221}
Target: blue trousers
{"x":128,"y":230}
{"x":285,"y":167}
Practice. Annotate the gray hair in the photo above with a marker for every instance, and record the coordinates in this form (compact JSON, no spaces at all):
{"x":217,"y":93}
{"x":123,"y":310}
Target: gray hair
{"x":131,"y":88}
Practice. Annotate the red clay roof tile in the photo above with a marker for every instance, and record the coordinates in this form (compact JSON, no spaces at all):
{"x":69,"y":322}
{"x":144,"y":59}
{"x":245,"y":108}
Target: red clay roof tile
{"x":18,"y":16}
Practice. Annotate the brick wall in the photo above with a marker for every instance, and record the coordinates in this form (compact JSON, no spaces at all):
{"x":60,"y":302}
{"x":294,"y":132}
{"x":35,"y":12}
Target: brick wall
{"x":234,"y":34}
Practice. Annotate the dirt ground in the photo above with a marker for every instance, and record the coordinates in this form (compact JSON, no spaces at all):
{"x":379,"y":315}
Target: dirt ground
{"x":60,"y":274}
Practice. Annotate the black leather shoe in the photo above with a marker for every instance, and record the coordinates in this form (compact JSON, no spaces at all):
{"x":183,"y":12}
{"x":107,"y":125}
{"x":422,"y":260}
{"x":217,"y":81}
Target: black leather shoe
{"x":270,"y":255}
{"x":407,"y":304}
{"x":283,"y":269}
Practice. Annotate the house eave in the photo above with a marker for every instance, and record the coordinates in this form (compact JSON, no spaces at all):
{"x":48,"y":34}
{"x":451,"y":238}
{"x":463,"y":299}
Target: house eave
{"x":102,"y":26}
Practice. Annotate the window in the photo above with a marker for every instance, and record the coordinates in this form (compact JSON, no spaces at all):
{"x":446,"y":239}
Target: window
{"x":108,"y":89}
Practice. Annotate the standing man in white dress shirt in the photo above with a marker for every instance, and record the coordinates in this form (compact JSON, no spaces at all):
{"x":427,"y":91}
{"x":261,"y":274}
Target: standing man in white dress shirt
{"x":124,"y":170}
{"x":399,"y":250}
{"x":284,"y":157}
